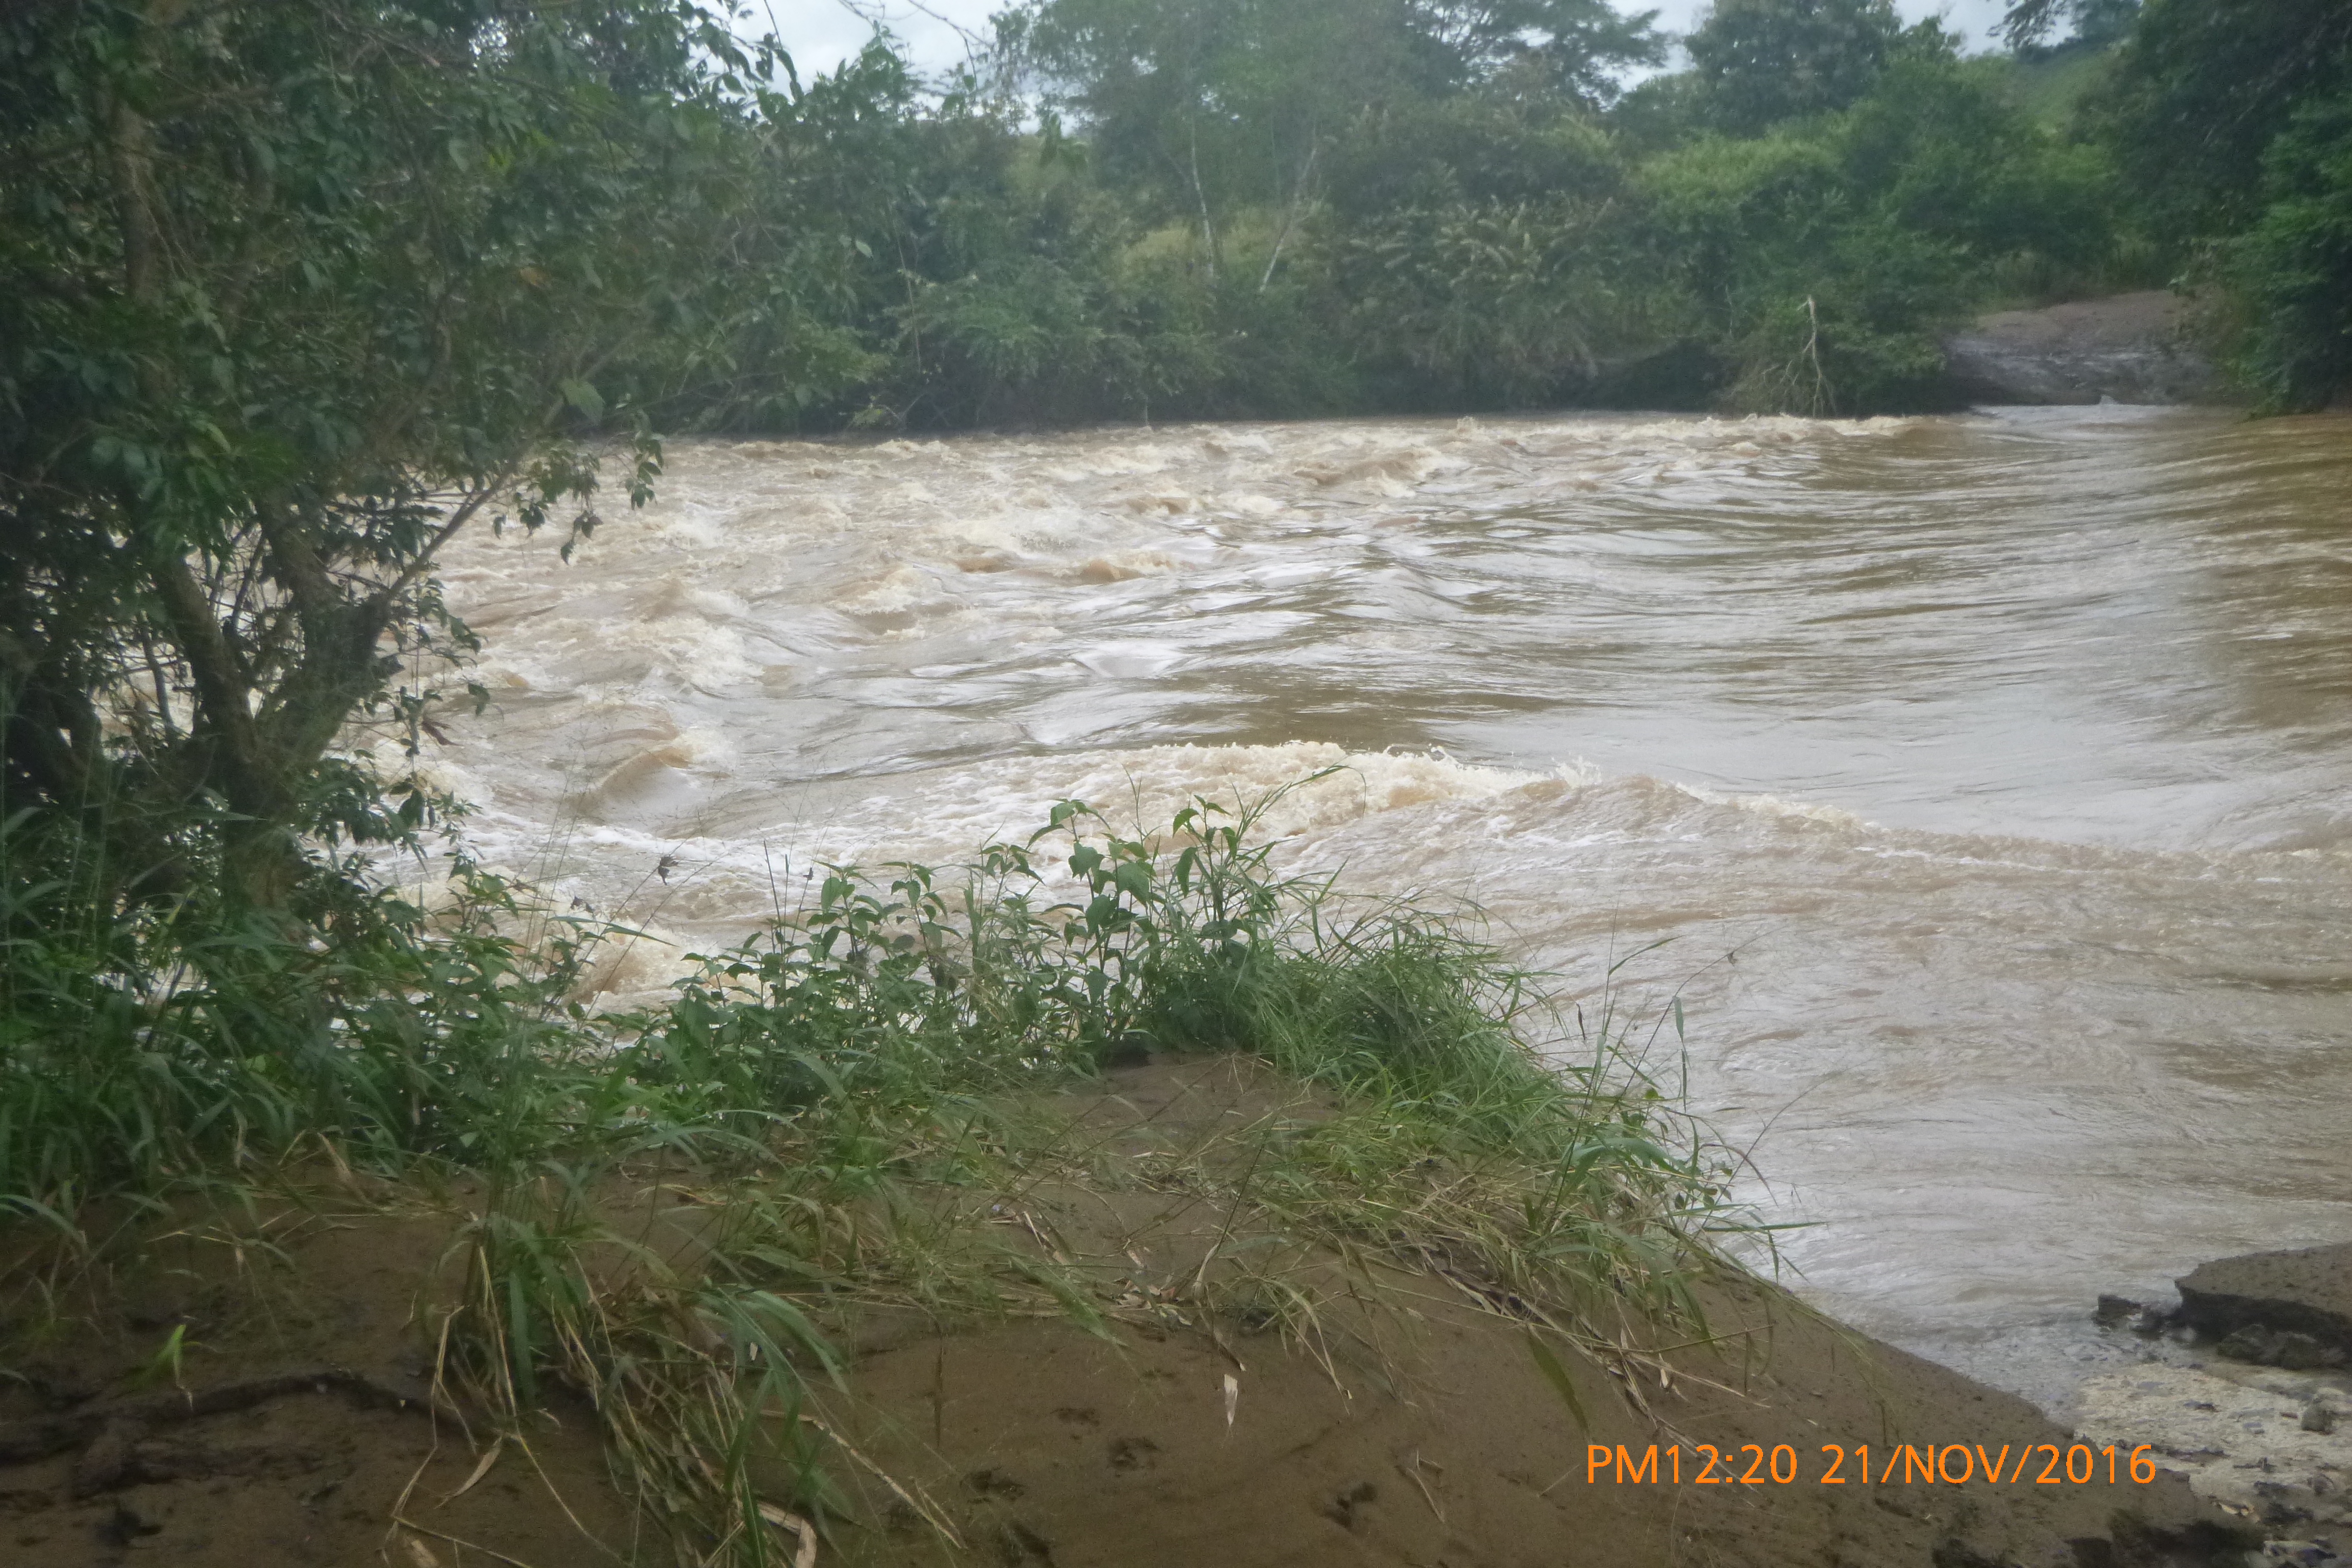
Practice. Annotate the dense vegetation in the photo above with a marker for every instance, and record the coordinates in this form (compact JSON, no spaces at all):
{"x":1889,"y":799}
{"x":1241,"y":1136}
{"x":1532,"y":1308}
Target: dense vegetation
{"x":1212,"y":207}
{"x":291,"y":293}
{"x":854,"y":1093}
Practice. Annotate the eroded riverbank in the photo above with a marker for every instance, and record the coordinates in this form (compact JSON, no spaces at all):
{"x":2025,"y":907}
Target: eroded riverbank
{"x":1410,"y":1416}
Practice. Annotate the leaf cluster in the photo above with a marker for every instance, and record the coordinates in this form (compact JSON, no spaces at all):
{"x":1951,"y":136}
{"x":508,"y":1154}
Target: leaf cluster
{"x":289,"y":296}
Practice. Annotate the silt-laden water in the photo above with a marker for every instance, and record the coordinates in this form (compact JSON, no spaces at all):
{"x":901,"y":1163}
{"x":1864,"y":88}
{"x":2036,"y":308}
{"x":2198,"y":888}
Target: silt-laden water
{"x":1985,"y":778}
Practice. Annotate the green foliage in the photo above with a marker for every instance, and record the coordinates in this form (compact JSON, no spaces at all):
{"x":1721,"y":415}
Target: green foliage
{"x":840,"y":1090}
{"x":1030,"y":305}
{"x":1470,"y":148}
{"x":1314,"y":153}
{"x":2293,"y":268}
{"x":1211,"y":103}
{"x":1828,"y":257}
{"x":1761,"y":62}
{"x":813,"y":181}
{"x":2050,"y":85}
{"x":288,"y":297}
{"x":2199,"y":90}
{"x":2224,"y":118}
{"x":1465,"y":231}
{"x":137,"y":1052}
{"x":291,"y":294}
{"x":145,"y":1046}
{"x":1484,"y":304}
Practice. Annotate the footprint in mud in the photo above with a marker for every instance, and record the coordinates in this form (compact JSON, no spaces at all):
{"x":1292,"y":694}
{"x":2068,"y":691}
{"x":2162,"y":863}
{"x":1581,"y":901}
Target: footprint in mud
{"x":993,"y":1484}
{"x":1076,"y":1417}
{"x":120,"y":1528}
{"x":1133,"y":1454}
{"x":1344,"y":1509}
{"x":1018,"y":1546}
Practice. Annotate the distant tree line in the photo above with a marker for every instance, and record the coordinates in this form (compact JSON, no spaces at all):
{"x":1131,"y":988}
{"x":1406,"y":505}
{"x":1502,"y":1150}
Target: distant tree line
{"x":1138,"y":209}
{"x":1211,"y":207}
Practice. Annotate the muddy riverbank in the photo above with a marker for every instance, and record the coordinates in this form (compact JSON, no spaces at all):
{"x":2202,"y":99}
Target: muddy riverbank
{"x":1410,"y":1424}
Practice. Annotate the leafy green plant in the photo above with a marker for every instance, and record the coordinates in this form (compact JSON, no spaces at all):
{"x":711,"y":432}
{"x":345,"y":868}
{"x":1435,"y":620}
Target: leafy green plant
{"x":839,"y":1095}
{"x":2292,"y":270}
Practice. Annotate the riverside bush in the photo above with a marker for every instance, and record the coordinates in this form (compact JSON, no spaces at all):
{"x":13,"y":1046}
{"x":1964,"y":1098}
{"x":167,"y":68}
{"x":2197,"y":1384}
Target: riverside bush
{"x":815,"y":1082}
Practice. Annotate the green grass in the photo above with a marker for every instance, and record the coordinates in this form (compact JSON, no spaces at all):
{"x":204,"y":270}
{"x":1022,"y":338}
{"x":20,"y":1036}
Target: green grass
{"x":840,"y":1092}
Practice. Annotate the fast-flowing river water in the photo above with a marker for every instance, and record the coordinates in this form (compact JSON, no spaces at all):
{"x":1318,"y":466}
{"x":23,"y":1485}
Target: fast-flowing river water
{"x":1986,"y":778}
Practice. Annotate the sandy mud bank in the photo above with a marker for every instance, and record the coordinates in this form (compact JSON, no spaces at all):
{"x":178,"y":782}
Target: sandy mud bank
{"x":1311,"y":1409}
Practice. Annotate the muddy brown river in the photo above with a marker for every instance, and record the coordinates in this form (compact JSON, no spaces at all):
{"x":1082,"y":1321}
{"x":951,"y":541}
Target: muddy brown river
{"x":1982,"y":785}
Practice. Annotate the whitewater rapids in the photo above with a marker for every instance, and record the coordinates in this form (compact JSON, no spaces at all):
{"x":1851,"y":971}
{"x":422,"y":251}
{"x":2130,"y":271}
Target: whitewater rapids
{"x":1983,"y":778}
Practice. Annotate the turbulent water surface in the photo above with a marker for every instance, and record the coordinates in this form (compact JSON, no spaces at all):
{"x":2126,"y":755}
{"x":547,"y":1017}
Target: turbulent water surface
{"x":1988,"y":773}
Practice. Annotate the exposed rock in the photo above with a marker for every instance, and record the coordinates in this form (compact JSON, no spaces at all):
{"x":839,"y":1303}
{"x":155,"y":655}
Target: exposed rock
{"x":2133,"y":348}
{"x":2146,"y":1320}
{"x":2302,"y":1553}
{"x":2113,"y":1311}
{"x":2306,"y":1293}
{"x":2240,"y":1433}
{"x":2283,"y":1347}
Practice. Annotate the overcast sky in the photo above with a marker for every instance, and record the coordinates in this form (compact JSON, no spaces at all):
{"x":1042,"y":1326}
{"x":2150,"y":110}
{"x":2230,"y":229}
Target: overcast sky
{"x":821,"y":33}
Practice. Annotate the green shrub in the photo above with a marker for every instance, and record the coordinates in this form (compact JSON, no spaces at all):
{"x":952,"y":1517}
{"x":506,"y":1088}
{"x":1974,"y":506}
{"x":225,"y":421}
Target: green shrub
{"x":2292,"y":270}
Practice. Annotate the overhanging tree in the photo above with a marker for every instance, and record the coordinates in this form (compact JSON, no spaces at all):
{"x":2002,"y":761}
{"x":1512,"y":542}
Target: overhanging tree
{"x":290,"y":294}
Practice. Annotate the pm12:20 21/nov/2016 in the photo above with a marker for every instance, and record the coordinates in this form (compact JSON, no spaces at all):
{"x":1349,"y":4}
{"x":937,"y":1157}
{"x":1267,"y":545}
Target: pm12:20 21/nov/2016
{"x":1950,"y":1464}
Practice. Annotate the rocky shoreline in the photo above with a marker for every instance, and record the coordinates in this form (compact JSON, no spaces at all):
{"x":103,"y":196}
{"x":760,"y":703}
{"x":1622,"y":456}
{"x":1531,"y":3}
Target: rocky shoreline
{"x":2290,"y":1309}
{"x":2246,"y":1386}
{"x":2128,"y":348}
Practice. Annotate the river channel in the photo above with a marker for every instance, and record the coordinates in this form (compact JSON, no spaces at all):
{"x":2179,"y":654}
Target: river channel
{"x":1982,"y":785}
